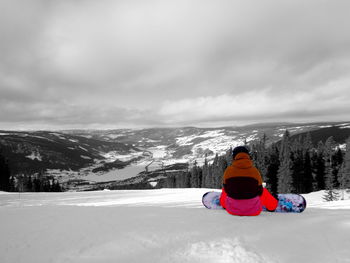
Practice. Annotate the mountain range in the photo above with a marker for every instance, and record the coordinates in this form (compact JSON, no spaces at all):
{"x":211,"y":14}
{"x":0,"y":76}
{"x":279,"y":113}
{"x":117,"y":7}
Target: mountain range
{"x":88,"y":157}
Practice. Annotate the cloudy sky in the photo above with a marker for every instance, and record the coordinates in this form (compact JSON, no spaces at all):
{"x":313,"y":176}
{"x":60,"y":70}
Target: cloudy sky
{"x":146,"y":63}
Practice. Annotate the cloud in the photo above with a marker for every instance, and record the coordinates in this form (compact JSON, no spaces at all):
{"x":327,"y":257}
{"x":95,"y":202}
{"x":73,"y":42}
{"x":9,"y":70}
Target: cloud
{"x":60,"y":115}
{"x":263,"y":105}
{"x":151,"y":62}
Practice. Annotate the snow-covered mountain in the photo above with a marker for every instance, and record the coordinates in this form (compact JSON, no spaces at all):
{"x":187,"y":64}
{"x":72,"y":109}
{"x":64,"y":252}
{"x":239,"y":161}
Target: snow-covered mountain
{"x":165,"y":225}
{"x":88,"y":156}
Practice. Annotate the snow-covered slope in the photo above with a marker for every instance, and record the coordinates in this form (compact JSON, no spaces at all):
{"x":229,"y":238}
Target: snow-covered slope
{"x":166,"y":225}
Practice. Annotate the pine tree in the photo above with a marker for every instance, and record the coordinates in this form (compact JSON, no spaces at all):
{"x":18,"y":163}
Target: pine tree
{"x":211,"y":176}
{"x":342,"y":179}
{"x":20,"y":183}
{"x":188,"y":180}
{"x":46,"y":186}
{"x":337,"y":162}
{"x":344,"y":172}
{"x":178,"y":180}
{"x":273,"y":164}
{"x":319,"y":168}
{"x":285,"y":181}
{"x":200,"y":176}
{"x":329,"y":165}
{"x":331,"y":195}
{"x":196,"y":176}
{"x":347,"y":164}
{"x":301,"y":165}
{"x":308,"y":178}
{"x":12,"y":186}
{"x":5,"y":175}
{"x":29,"y":184}
{"x":217,"y":177}
{"x":259,"y":156}
{"x":205,"y":175}
{"x":307,"y":142}
{"x":222,"y":168}
{"x":228,"y":156}
{"x":297,"y":170}
{"x":37,"y":185}
{"x":170,"y":181}
{"x":56,"y":187}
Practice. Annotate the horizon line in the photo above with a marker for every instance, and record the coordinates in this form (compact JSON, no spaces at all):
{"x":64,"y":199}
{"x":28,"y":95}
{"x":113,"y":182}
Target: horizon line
{"x":180,"y":127}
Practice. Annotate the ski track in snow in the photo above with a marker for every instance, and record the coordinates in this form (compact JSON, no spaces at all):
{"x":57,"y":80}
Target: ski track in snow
{"x":165,"y":225}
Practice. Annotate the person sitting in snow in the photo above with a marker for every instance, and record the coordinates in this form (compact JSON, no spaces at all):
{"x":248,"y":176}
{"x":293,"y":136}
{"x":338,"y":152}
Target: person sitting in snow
{"x":243,"y":193}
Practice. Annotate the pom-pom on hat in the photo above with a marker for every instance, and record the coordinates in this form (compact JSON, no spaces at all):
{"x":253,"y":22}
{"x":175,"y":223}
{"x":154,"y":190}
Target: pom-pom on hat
{"x":239,"y":149}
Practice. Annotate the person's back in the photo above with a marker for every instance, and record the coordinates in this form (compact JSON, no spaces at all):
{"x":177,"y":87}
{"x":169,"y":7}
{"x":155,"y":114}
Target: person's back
{"x":243,"y":193}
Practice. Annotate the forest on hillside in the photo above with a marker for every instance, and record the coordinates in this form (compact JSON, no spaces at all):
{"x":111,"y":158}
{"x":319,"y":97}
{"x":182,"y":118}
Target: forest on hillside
{"x":291,"y":165}
{"x":287,"y":166}
{"x":23,"y":183}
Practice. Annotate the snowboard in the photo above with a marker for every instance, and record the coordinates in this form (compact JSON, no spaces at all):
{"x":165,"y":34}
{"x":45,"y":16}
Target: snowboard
{"x":287,"y":203}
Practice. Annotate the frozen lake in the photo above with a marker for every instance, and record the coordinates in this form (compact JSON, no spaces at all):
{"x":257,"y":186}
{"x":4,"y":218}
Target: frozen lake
{"x":116,"y":174}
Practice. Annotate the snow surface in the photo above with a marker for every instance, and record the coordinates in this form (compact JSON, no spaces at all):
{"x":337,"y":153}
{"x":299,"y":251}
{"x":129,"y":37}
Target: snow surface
{"x":166,"y":225}
{"x":216,"y":141}
{"x":159,"y":152}
{"x":112,"y":156}
{"x":35,"y":155}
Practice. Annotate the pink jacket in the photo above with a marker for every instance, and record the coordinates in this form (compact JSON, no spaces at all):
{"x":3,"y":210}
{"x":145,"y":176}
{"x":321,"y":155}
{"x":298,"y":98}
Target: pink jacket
{"x":248,"y":207}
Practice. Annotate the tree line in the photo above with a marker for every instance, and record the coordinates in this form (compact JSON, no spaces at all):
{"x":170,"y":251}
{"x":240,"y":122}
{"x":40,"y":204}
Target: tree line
{"x":25,"y":183}
{"x":287,"y":166}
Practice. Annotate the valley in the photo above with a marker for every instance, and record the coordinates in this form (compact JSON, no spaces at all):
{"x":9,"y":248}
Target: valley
{"x":86,"y":159}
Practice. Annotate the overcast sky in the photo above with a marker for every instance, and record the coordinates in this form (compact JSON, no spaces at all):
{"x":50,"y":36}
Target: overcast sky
{"x":145,"y":63}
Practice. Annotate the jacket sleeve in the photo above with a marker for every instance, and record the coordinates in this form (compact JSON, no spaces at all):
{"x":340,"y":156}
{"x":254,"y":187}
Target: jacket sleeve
{"x":223,"y":198}
{"x":268,"y":200}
